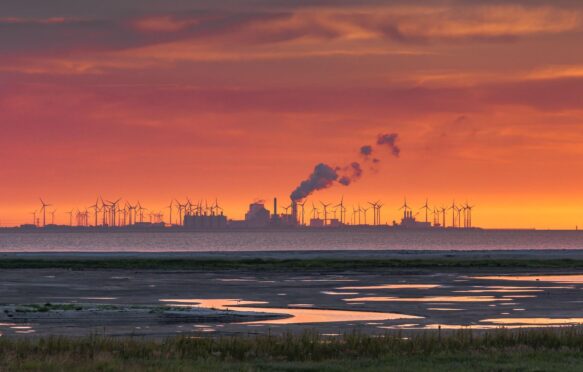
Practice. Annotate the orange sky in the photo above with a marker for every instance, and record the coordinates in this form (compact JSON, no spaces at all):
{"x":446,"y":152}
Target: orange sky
{"x":209,"y":99}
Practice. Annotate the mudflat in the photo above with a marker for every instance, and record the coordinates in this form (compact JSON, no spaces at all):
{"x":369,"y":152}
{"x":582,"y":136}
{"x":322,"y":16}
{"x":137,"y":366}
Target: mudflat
{"x":205,"y":302}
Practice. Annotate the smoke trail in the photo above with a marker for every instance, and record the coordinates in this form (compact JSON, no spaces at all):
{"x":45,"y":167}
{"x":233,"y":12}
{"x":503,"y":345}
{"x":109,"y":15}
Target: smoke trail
{"x":366,"y":150}
{"x":354,"y":173}
{"x":389,"y":140}
{"x":322,"y":177}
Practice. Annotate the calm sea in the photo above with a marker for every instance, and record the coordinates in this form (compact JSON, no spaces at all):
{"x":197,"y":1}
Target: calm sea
{"x":289,"y":241}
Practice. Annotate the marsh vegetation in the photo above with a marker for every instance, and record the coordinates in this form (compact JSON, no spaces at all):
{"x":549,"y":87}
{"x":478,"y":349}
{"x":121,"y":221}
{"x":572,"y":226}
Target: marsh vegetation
{"x":547,"y":349}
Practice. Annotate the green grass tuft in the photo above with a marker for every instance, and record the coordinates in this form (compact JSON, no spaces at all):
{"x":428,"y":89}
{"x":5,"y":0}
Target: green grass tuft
{"x":284,"y":264}
{"x":525,"y":350}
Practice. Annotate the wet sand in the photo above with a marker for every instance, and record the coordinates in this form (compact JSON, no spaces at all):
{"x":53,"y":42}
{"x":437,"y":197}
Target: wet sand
{"x":575,"y":254}
{"x":160,"y":303}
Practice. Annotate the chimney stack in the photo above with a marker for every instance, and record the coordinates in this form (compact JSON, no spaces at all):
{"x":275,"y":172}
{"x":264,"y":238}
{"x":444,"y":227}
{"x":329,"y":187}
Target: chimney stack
{"x":275,"y":206}
{"x":295,"y":211}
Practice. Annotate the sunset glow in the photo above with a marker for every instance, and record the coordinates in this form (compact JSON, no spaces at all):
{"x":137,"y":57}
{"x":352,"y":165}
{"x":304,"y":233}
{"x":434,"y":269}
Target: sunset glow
{"x":159,"y":100}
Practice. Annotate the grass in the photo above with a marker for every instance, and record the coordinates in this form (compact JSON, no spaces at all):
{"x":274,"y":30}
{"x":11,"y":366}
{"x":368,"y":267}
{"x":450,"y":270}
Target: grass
{"x":516,"y":350}
{"x":43,"y":308}
{"x":47,"y":307}
{"x":284,"y":264}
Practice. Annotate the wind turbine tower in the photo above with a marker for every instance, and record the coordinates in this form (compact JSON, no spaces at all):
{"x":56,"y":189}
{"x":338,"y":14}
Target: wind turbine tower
{"x":44,"y":211}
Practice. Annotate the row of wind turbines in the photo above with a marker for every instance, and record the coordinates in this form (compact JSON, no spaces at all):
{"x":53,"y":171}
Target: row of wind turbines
{"x":124,"y":213}
{"x":117,"y":213}
{"x":461,"y":215}
{"x":337,"y":212}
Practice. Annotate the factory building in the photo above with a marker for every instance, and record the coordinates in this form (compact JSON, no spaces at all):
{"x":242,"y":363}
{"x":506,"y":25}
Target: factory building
{"x":408,"y":221}
{"x":257,"y":215}
{"x":316,"y":222}
{"x":205,"y":222}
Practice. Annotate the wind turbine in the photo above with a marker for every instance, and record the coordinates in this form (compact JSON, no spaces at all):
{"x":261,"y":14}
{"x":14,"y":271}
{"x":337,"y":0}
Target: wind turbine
{"x":286,"y":208}
{"x":379,"y":206}
{"x":315,"y":212}
{"x":405,"y":208}
{"x":141,"y":211}
{"x":443,"y":209}
{"x":219,"y":208}
{"x":96,"y":208}
{"x":374,"y":210}
{"x":435,"y":216}
{"x":104,"y":210}
{"x":342,"y":209}
{"x":453,"y":208}
{"x":302,"y":206}
{"x":180,"y":209}
{"x":364,"y":210}
{"x":325,"y":206}
{"x":469,"y":215}
{"x":44,"y":211}
{"x":113,"y":210}
{"x":459,"y":215}
{"x":53,"y":217}
{"x":70,"y":213}
{"x":170,"y":209}
{"x":426,"y":207}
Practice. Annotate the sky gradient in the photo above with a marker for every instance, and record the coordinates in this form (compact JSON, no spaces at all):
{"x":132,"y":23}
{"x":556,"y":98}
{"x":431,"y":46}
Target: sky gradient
{"x":153,"y":100}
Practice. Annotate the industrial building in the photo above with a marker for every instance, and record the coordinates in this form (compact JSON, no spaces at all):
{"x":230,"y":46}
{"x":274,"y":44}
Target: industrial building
{"x":205,"y":222}
{"x":257,"y":215}
{"x":409,"y":222}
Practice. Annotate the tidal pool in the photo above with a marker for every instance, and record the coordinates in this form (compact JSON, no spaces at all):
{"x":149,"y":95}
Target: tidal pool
{"x":296,"y":316}
{"x":570,"y":279}
{"x":427,"y":299}
{"x":395,"y":286}
{"x":534,"y":321}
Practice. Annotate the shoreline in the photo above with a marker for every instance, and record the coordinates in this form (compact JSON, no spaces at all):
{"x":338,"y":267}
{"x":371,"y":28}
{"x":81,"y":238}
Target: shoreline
{"x":368,"y":255}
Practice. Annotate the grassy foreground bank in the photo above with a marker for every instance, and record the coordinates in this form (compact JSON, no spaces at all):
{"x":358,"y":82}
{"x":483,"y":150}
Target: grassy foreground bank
{"x":524,"y":350}
{"x":283,"y":264}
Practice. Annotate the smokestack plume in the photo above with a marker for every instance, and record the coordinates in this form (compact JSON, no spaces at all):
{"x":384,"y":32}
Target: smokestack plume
{"x":389,"y":140}
{"x":324,"y":175}
{"x":366,"y":150}
{"x":354,"y":171}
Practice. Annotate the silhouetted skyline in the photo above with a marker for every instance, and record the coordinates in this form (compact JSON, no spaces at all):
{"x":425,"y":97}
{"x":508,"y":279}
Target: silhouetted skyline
{"x":159,"y":99}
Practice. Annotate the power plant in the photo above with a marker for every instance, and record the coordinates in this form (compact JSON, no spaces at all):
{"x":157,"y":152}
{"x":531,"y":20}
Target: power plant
{"x":105,"y":215}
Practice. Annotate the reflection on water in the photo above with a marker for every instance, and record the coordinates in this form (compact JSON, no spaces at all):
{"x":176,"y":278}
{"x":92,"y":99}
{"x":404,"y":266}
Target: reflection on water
{"x":222,"y":304}
{"x":327,"y":280}
{"x":17,"y":328}
{"x":334,"y":240}
{"x":395,"y":286}
{"x":509,"y":287}
{"x":456,"y":326}
{"x":444,"y":309}
{"x":535,"y":321}
{"x":572,"y":279}
{"x":499,"y":291}
{"x":297,"y":316}
{"x":333,"y":293}
{"x":427,"y":299}
{"x":518,"y":296}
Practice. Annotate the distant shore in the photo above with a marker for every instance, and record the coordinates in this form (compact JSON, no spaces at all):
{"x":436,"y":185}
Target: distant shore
{"x":158,"y":228}
{"x":305,"y":260}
